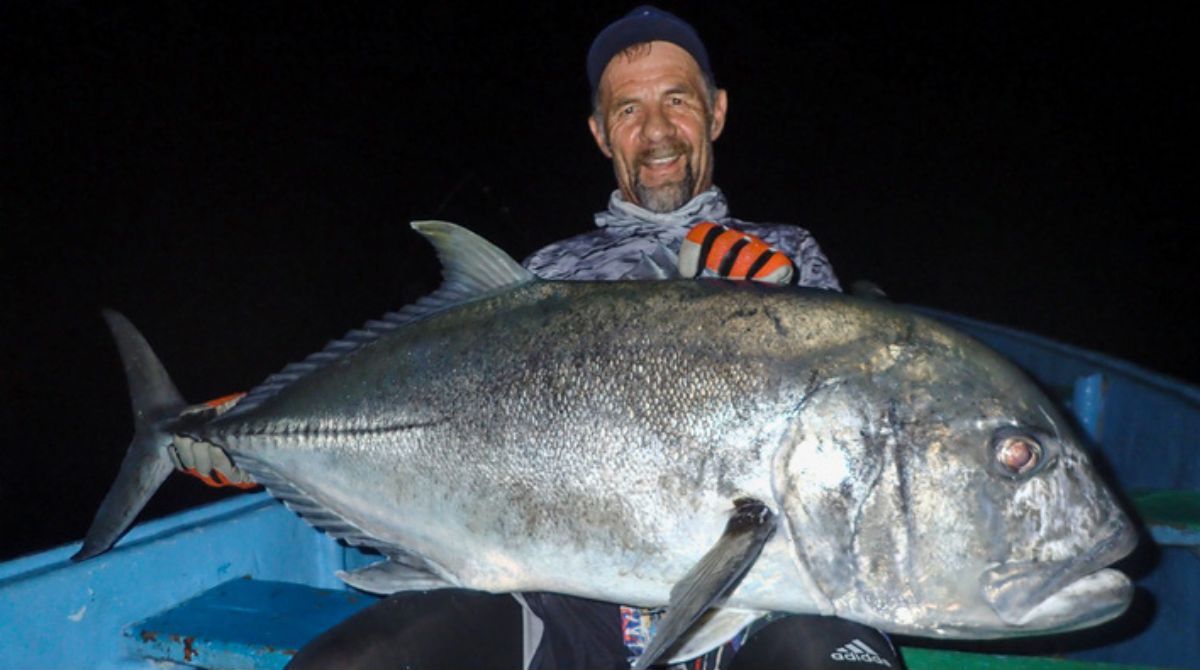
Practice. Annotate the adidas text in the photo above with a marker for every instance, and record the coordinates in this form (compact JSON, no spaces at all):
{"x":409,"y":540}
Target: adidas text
{"x":857,"y":651}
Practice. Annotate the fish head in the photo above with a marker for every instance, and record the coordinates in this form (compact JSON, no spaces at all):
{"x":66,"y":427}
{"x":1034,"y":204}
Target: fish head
{"x":1060,"y":528}
{"x":948,"y":497}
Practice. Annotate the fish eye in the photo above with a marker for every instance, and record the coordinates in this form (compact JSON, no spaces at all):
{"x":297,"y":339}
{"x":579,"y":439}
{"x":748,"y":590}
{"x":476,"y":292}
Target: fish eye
{"x":1016,"y":453}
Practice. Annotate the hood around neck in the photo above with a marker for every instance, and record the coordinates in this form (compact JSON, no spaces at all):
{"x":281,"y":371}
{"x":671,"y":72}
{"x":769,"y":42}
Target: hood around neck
{"x":709,"y":205}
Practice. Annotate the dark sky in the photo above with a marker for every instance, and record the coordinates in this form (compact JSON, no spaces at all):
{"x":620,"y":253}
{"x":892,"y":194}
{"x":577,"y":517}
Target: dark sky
{"x":237,"y":179}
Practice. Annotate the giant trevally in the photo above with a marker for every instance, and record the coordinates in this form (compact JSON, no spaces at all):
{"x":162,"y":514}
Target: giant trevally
{"x":722,"y":450}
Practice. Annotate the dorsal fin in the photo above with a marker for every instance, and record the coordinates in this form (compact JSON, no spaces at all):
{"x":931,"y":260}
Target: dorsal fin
{"x":471,"y":267}
{"x":470,"y":264}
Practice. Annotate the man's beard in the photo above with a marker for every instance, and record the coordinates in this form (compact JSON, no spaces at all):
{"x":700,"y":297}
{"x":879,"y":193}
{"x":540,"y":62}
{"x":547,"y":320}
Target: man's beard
{"x":665,"y":197}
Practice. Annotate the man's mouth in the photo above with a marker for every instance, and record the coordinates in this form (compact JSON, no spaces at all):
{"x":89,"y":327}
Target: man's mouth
{"x":655,"y":168}
{"x":662,"y":160}
{"x":664,"y":155}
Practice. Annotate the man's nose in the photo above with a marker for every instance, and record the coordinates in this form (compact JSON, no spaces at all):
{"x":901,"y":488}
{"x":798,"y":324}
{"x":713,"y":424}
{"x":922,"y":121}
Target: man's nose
{"x":658,"y":125}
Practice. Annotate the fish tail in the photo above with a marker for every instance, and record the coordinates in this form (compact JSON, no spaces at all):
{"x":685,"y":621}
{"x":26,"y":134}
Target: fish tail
{"x":156,"y":402}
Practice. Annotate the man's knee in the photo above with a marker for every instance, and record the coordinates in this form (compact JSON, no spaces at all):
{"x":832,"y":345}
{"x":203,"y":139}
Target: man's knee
{"x":808,"y":642}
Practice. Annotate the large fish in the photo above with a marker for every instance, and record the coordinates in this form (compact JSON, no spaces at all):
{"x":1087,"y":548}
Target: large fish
{"x":723,"y":450}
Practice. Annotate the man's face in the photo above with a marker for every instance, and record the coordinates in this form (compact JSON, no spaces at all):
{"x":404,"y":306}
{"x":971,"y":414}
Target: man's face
{"x":653,"y":120}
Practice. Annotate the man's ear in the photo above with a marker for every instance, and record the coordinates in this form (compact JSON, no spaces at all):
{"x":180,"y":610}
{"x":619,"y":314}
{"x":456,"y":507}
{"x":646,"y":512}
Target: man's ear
{"x":599,"y":135}
{"x":720,"y":106}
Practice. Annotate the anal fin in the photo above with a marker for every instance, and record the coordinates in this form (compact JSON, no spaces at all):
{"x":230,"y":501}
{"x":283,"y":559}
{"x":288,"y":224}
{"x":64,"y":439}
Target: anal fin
{"x":713,"y":577}
{"x":391,"y":576}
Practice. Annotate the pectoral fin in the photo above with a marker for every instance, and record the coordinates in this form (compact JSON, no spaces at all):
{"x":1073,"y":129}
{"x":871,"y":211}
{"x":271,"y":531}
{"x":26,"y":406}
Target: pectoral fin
{"x":713,"y":577}
{"x":716,"y":627}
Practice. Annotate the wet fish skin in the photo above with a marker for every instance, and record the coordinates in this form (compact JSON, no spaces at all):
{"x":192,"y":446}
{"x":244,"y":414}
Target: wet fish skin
{"x":591,"y":438}
{"x":543,"y":370}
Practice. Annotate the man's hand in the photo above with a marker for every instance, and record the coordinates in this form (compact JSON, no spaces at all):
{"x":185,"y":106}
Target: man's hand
{"x":714,"y":250}
{"x":208,"y":462}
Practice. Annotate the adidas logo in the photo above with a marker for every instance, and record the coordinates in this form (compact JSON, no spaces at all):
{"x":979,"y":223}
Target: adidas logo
{"x":857,"y":651}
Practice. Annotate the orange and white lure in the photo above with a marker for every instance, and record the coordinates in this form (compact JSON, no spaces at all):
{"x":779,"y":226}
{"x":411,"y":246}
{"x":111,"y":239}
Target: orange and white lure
{"x":732,"y":254}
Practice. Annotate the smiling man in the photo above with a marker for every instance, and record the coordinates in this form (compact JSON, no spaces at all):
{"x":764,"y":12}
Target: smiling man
{"x":656,"y":113}
{"x":656,"y":118}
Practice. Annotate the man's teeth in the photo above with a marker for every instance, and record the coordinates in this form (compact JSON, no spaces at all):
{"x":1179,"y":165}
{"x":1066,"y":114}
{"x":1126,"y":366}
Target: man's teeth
{"x":663,"y":160}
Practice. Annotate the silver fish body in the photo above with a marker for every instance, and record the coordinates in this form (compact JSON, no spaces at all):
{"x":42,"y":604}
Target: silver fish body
{"x":591,"y":438}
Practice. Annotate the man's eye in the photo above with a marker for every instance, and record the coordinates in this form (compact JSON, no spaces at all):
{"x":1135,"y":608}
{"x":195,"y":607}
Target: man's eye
{"x":627,"y":110}
{"x":677,"y":101}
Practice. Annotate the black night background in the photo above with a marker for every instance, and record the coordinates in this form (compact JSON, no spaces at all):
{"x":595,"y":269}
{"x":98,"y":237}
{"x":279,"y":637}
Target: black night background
{"x":237,"y":179}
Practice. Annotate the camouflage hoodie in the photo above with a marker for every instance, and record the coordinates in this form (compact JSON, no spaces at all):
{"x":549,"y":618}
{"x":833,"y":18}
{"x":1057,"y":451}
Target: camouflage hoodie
{"x":630,"y":241}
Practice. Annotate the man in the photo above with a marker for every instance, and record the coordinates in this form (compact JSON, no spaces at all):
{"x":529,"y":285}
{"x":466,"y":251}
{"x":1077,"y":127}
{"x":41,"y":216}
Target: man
{"x":656,"y":114}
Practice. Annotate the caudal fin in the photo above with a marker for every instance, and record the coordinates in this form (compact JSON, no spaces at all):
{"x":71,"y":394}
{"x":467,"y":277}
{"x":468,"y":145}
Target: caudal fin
{"x":155,"y":403}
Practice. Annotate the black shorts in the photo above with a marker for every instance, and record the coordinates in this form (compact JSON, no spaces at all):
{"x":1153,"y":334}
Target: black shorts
{"x":461,"y":629}
{"x":587,"y":634}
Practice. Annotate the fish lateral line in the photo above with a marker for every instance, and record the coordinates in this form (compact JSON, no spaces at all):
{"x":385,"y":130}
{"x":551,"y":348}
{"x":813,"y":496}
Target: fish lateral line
{"x":308,"y":430}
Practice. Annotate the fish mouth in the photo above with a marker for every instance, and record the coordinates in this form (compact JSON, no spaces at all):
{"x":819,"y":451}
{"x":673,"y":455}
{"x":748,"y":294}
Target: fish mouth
{"x":1042,"y":597}
{"x":1088,"y":601}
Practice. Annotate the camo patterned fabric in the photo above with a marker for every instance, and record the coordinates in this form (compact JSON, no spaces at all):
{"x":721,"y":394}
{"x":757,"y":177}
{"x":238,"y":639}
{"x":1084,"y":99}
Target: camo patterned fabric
{"x":628,"y":239}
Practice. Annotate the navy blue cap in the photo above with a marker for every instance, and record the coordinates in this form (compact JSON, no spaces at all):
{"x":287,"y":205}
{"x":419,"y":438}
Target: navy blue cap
{"x":644,"y":24}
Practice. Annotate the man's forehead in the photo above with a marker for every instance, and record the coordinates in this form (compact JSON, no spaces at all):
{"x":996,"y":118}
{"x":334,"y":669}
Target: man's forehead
{"x":656,"y":62}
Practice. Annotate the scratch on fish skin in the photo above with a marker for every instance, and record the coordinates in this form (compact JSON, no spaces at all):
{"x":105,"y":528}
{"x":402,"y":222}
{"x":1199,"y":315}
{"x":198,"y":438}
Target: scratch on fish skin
{"x":78,"y":615}
{"x":810,"y":389}
{"x":908,"y":333}
{"x":780,"y":328}
{"x":903,"y":474}
{"x":868,"y":491}
{"x":740,"y":313}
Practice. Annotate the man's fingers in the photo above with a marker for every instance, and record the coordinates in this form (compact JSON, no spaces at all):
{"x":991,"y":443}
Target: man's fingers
{"x":201,"y":457}
{"x":173,"y":452}
{"x":696,"y":247}
{"x":204,"y":478}
{"x":715,"y":250}
{"x":772,"y":268}
{"x":244,"y":480}
{"x":208,"y":463}
{"x":225,"y":471}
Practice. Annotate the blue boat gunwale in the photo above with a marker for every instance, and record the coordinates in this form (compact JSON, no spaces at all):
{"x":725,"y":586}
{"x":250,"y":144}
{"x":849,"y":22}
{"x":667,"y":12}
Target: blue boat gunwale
{"x":142,"y":533}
